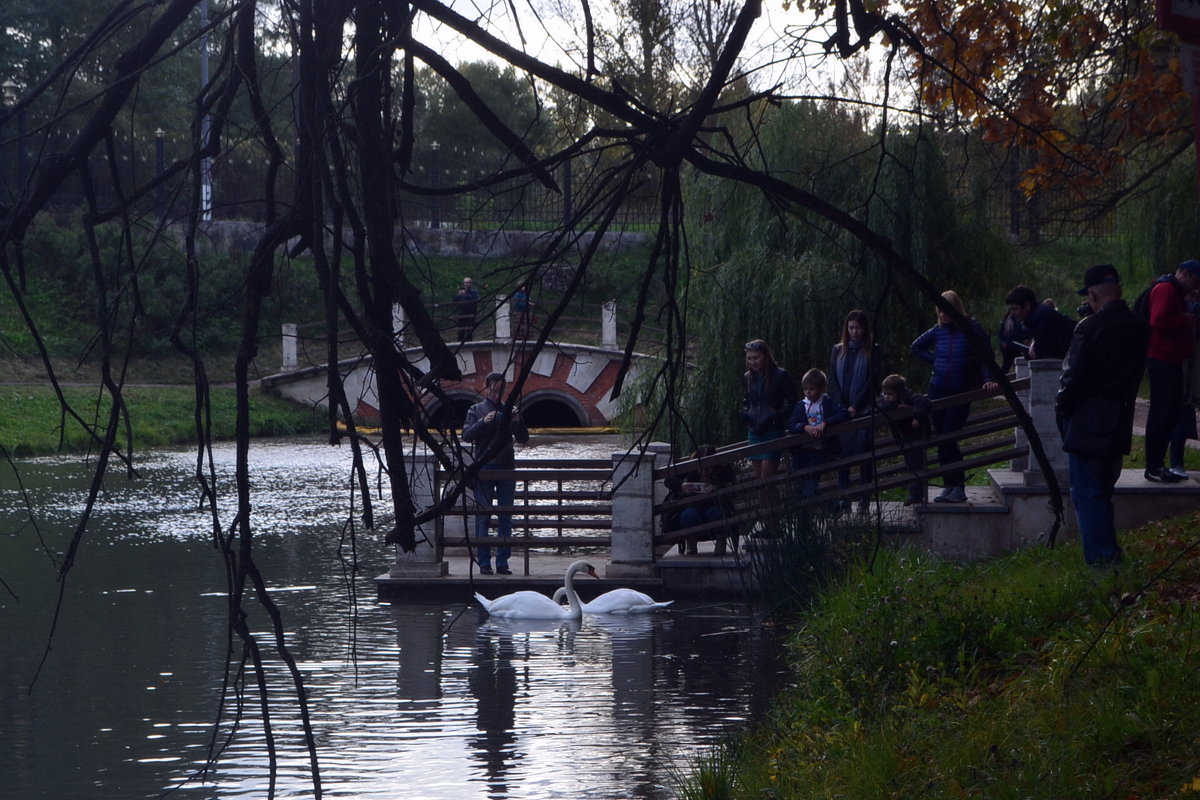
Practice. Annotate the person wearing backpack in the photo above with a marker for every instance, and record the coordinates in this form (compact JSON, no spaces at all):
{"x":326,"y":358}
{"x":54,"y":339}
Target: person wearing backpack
{"x":1172,"y":333}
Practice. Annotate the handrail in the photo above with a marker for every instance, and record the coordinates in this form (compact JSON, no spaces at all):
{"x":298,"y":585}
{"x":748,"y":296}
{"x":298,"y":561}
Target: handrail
{"x":739,"y":450}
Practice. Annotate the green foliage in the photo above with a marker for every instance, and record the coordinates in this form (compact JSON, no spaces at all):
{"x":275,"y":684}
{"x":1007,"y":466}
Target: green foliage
{"x":1030,"y":676}
{"x":792,"y":280}
{"x":32,"y":424}
{"x":1159,"y":228}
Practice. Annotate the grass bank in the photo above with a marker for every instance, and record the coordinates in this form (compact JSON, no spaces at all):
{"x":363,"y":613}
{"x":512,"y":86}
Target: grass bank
{"x":31,"y":422}
{"x":1030,"y":676}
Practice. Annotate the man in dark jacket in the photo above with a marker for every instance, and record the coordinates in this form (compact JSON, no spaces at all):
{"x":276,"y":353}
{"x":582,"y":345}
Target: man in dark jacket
{"x":492,"y":437}
{"x":1094,"y":406}
{"x":1051,"y":331}
{"x":1171,"y":340}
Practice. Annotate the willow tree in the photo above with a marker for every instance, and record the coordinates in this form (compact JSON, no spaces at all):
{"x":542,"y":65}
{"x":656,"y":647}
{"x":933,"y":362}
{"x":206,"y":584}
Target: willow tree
{"x":330,"y":111}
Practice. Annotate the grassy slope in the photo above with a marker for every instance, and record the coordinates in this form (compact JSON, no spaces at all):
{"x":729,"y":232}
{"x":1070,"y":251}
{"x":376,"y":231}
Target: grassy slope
{"x":31,"y":423}
{"x":1031,"y":676}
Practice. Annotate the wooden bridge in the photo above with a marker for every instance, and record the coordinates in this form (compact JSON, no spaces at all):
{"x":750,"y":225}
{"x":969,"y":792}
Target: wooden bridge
{"x":613,"y":509}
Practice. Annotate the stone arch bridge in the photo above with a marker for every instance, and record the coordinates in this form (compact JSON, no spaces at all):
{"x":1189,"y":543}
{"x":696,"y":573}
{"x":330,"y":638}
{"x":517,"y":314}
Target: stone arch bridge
{"x":569,"y":385}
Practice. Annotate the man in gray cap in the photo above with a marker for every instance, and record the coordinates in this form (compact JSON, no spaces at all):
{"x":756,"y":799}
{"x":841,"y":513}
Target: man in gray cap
{"x":492,"y":435}
{"x":1094,"y":406}
{"x":1172,"y":335}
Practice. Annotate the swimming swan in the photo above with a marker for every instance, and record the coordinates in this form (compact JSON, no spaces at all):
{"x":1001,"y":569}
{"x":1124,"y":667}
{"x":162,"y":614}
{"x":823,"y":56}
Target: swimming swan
{"x":533,"y":605}
{"x":618,"y":601}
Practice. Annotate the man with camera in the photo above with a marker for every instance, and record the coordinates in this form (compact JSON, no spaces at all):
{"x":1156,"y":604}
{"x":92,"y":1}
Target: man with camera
{"x":492,"y":432}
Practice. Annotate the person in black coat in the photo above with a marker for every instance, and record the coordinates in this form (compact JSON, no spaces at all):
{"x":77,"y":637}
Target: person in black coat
{"x":1095,"y":404}
{"x":1050,"y":330}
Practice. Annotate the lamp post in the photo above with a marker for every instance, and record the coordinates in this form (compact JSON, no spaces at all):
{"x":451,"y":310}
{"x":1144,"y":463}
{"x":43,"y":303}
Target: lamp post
{"x":435,"y":181}
{"x":206,"y":193}
{"x":12,"y":93}
{"x":159,"y":191}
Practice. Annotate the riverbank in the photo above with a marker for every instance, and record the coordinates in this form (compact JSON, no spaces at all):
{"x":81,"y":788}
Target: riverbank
{"x":32,"y":423}
{"x":1030,"y":676}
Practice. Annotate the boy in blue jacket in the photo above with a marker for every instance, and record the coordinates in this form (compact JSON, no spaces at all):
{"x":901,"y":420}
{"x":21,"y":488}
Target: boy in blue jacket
{"x":812,"y":414}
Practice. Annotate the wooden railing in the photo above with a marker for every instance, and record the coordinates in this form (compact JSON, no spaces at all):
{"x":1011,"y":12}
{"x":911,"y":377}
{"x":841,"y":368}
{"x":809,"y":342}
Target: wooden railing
{"x":567,"y":504}
{"x":559,"y":504}
{"x":987,"y":438}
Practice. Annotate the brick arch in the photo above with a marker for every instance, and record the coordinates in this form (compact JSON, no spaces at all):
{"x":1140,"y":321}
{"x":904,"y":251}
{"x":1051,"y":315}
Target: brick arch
{"x":579,"y":376}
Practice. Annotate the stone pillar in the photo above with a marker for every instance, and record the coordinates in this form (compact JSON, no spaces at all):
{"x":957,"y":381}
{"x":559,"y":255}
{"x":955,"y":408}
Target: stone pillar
{"x":632,"y":516}
{"x":426,"y":560}
{"x":1038,"y":399}
{"x":608,"y":325}
{"x":290,"y":339}
{"x":503,"y":321}
{"x":398,"y":324}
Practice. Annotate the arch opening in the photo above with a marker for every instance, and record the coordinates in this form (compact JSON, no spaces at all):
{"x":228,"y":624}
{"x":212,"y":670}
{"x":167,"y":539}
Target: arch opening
{"x":548,"y":412}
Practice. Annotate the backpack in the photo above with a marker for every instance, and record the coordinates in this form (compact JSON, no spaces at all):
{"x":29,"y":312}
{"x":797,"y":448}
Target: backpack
{"x":1141,"y":306}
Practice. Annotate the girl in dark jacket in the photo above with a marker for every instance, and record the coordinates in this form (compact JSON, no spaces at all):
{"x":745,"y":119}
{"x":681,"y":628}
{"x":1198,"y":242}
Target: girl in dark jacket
{"x":770,"y":394}
{"x":955,"y":370}
{"x":855,"y":367}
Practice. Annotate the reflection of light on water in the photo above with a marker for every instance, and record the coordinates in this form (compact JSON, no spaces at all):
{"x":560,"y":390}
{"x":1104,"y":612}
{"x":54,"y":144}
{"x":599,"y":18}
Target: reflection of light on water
{"x":434,"y":703}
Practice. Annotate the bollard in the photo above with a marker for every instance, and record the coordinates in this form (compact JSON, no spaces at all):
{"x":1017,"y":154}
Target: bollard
{"x":290,"y":362}
{"x":503,"y":321}
{"x":608,"y":325}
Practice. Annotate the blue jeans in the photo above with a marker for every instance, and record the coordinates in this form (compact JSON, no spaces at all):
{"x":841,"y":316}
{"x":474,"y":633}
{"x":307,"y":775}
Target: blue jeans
{"x":1092,"y":482}
{"x":948,"y":420}
{"x":1166,"y":405}
{"x":502,"y":492}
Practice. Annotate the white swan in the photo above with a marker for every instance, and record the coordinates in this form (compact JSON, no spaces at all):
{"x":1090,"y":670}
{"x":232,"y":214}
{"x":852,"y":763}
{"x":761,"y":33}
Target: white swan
{"x":533,"y":605}
{"x":618,"y":601}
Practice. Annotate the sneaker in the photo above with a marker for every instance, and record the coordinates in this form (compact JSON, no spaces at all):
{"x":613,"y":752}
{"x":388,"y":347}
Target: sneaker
{"x":1180,"y":471}
{"x":941,"y":498}
{"x":1161,"y":475}
{"x":955,"y":494}
{"x":485,"y":570}
{"x":503,"y":571}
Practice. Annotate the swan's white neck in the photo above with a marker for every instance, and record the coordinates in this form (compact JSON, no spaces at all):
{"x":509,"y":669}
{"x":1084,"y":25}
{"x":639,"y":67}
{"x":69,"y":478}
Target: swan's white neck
{"x":572,"y":598}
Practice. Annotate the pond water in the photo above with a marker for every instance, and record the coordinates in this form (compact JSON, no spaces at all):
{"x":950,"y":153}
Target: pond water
{"x":407,"y":701}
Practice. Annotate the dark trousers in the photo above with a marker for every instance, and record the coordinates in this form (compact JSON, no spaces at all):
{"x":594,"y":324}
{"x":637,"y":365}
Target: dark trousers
{"x":1092,"y":482}
{"x":914,"y":462}
{"x":1166,"y":406}
{"x":853,"y":444}
{"x":949,"y":420}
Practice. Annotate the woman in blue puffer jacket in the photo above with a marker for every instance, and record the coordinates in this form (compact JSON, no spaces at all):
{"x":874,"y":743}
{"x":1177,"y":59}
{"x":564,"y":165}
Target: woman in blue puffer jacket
{"x":955,"y":370}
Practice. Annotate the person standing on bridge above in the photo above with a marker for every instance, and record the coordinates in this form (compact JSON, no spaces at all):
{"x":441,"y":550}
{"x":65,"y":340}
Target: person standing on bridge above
{"x":855,"y":367}
{"x":955,"y":369}
{"x":1094,"y":406}
{"x":770,"y":395}
{"x":492,"y":436}
{"x":520,"y":310}
{"x":466,"y":305}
